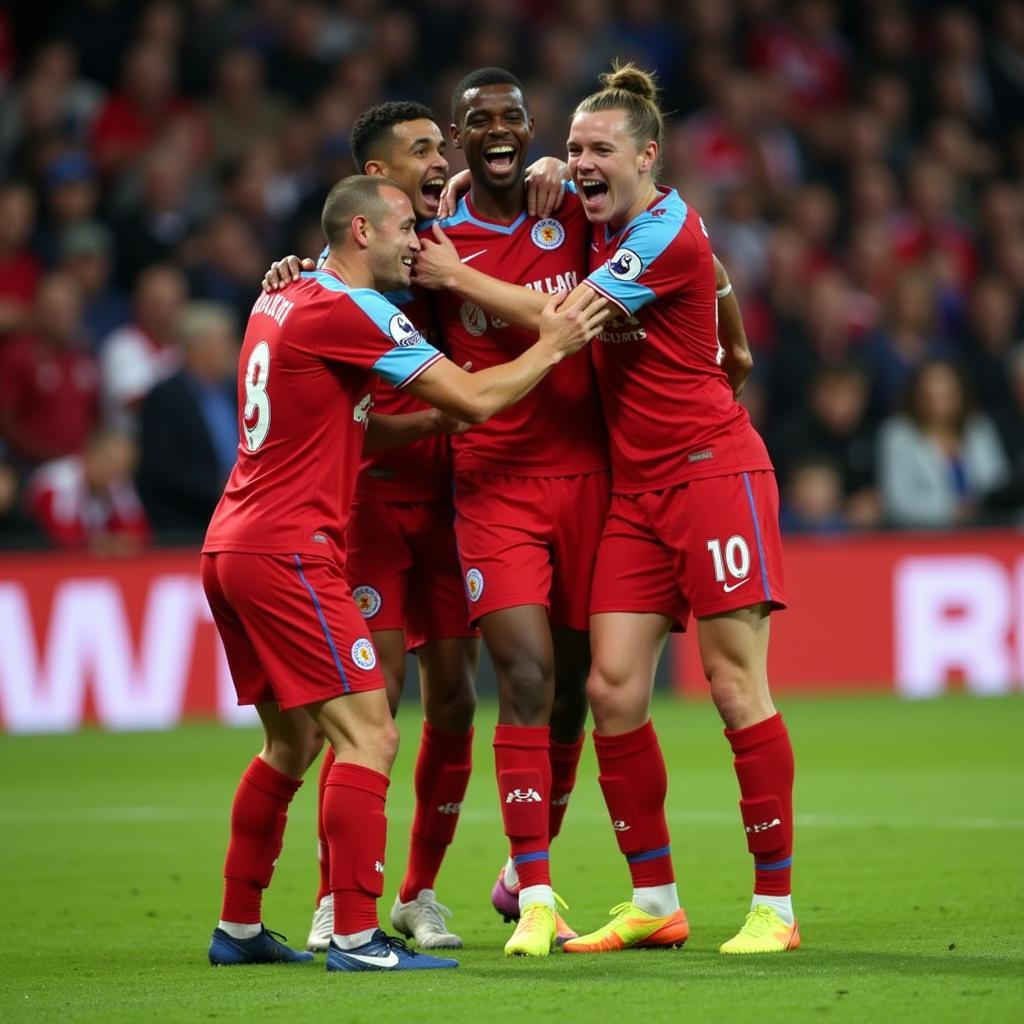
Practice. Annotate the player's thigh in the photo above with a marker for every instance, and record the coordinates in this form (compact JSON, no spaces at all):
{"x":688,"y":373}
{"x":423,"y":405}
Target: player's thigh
{"x":307,"y":632}
{"x":360,"y":728}
{"x":579,"y":510}
{"x":626,"y":647}
{"x":519,"y":642}
{"x":378,"y":561}
{"x":572,"y":666}
{"x":390,"y":647}
{"x":247,"y":674}
{"x":504,"y":541}
{"x":448,"y":669}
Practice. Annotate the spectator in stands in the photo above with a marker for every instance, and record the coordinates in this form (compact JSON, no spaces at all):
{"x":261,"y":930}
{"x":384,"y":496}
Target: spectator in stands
{"x":48,"y":379}
{"x":230,"y":265}
{"x":189,"y":423}
{"x":16,"y":528}
{"x":812,"y":499}
{"x":85,"y":253}
{"x":993,"y":328}
{"x":939,"y":459}
{"x":88,"y":500}
{"x":836,"y":426}
{"x":19,"y":268}
{"x":71,"y":197}
{"x":143,"y":352}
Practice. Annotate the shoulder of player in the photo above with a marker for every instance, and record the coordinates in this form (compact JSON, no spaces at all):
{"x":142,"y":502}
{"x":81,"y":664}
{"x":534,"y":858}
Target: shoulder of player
{"x":669,"y":226}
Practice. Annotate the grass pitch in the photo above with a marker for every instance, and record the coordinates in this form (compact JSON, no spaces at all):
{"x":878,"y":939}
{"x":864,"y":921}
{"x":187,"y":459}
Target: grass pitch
{"x":909,"y":877}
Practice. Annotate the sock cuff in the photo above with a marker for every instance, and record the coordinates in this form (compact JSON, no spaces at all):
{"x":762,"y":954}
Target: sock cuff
{"x":625,"y":744}
{"x":452,"y":743}
{"x":268,"y":779}
{"x":528,"y":737}
{"x":756,"y":735}
{"x":357,"y":776}
{"x":567,"y":753}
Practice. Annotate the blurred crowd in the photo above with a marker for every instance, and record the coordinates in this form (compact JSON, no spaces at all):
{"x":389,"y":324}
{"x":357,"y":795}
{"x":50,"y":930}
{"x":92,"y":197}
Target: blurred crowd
{"x":860,"y":167}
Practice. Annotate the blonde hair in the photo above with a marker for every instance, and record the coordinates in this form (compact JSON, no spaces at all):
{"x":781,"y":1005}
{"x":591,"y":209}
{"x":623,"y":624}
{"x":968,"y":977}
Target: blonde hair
{"x":629,"y":88}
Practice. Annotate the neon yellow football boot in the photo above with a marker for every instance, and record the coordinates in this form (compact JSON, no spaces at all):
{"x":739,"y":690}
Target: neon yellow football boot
{"x":763,"y":932}
{"x":633,"y":928}
{"x":535,"y":934}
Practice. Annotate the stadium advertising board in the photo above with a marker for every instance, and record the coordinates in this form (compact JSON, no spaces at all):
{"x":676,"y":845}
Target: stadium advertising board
{"x":131,"y":645}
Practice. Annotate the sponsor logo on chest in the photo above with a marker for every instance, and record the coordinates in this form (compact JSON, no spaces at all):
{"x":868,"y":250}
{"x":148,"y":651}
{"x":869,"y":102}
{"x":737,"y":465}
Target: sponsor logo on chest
{"x":555,"y":283}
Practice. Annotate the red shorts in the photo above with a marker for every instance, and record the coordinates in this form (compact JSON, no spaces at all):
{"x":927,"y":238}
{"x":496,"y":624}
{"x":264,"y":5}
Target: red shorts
{"x":291,"y":631}
{"x":706,"y":546}
{"x":404,"y":570}
{"x":530,"y":540}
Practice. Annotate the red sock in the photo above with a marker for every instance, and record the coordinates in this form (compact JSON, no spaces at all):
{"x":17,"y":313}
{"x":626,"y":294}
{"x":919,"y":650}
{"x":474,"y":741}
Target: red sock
{"x":763,"y":759}
{"x":565,"y":758}
{"x":442,"y":775}
{"x":524,"y":788}
{"x":258,"y":817}
{"x":634,"y":784}
{"x":323,"y":853}
{"x":356,"y":827}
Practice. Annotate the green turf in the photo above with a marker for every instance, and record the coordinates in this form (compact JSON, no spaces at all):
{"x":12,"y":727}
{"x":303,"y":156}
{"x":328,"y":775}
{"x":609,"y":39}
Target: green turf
{"x":909,"y":868}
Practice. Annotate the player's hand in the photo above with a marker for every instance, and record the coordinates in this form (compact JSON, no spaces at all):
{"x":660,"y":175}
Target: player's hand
{"x":444,"y":423}
{"x":455,"y":188}
{"x":284,"y":271}
{"x":545,"y":186}
{"x":437,"y":261}
{"x":565,"y":328}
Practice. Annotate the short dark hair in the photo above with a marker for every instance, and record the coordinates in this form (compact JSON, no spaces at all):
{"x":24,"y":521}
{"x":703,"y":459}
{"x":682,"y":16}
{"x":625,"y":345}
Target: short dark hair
{"x":373,"y":129}
{"x":477,"y":80}
{"x":355,"y":196}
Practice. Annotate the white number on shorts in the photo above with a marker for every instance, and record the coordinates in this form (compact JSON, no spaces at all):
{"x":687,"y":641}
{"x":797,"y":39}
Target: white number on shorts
{"x":256,"y":416}
{"x":736,"y":560}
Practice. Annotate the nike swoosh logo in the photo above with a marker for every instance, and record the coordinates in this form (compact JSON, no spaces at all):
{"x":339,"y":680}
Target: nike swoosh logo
{"x":729,"y":589}
{"x":391,"y":960}
{"x":473,"y":256}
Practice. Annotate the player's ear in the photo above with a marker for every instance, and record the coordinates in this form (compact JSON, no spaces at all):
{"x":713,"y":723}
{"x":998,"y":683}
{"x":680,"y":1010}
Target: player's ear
{"x":530,"y":124}
{"x":456,"y":135}
{"x":376,"y":168}
{"x":648,"y":157}
{"x":360,"y":231}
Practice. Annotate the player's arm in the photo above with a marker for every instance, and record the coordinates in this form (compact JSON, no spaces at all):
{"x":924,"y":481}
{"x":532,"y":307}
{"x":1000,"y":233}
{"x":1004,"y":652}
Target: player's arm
{"x":392,"y":431}
{"x":545,"y":188}
{"x":565,"y":326}
{"x":737,"y":360}
{"x":438,"y":267}
{"x":284,"y":271}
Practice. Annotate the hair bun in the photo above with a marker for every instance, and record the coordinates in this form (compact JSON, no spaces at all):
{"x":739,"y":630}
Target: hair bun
{"x":630,"y":78}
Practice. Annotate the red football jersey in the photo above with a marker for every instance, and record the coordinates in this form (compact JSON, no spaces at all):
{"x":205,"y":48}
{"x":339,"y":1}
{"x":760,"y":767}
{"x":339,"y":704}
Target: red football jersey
{"x":310,"y":359}
{"x":557,"y":429}
{"x":668,"y":405}
{"x":421,"y":471}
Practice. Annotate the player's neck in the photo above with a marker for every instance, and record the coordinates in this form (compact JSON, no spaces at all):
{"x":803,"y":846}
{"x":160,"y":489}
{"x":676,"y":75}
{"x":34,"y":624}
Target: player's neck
{"x":647,"y":194}
{"x":350,"y":269}
{"x":501,"y":207}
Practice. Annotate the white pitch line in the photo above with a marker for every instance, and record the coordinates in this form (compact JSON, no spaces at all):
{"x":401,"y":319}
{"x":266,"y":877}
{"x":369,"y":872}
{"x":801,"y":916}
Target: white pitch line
{"x":157,"y":814}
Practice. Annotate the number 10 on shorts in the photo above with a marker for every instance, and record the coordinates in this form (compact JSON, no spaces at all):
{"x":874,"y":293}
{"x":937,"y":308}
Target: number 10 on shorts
{"x":736,"y":557}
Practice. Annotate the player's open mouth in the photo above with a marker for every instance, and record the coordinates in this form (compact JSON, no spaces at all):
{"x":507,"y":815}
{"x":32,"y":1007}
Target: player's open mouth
{"x":431,"y":191}
{"x":500,"y":158}
{"x":592,"y":188}
{"x":407,"y":262}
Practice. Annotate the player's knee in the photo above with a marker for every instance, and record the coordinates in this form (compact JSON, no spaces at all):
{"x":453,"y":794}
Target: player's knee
{"x":452,"y":710}
{"x":526,"y":688}
{"x":740,"y":698}
{"x":568,"y":714}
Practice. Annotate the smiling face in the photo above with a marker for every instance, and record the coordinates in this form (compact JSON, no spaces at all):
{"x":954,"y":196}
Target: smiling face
{"x":494,"y":131}
{"x":415,"y":161}
{"x":392,"y":242}
{"x":612,"y":175}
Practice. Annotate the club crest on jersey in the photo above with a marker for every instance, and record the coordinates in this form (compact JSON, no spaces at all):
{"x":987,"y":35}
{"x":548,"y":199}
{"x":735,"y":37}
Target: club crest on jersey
{"x":367,"y":601}
{"x":547,"y":233}
{"x":473,"y":318}
{"x":625,"y":265}
{"x":402,"y":331}
{"x":363,"y":654}
{"x":474,"y":584}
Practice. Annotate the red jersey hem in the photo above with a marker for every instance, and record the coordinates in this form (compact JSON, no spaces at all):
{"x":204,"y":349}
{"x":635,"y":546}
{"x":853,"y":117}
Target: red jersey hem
{"x":664,"y":484}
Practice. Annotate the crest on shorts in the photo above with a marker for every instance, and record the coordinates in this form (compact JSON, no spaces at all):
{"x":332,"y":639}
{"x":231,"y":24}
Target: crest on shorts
{"x":625,"y":265}
{"x":367,"y":601}
{"x":402,"y":331}
{"x":363,"y":654}
{"x":473,"y":318}
{"x":547,"y":233}
{"x":474,"y":584}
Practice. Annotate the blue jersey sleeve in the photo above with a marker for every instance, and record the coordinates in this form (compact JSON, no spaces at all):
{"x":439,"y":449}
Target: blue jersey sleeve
{"x":639,"y":270}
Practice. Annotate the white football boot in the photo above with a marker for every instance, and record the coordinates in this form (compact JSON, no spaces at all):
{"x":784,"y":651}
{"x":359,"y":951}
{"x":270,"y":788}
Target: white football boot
{"x":424,"y":920}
